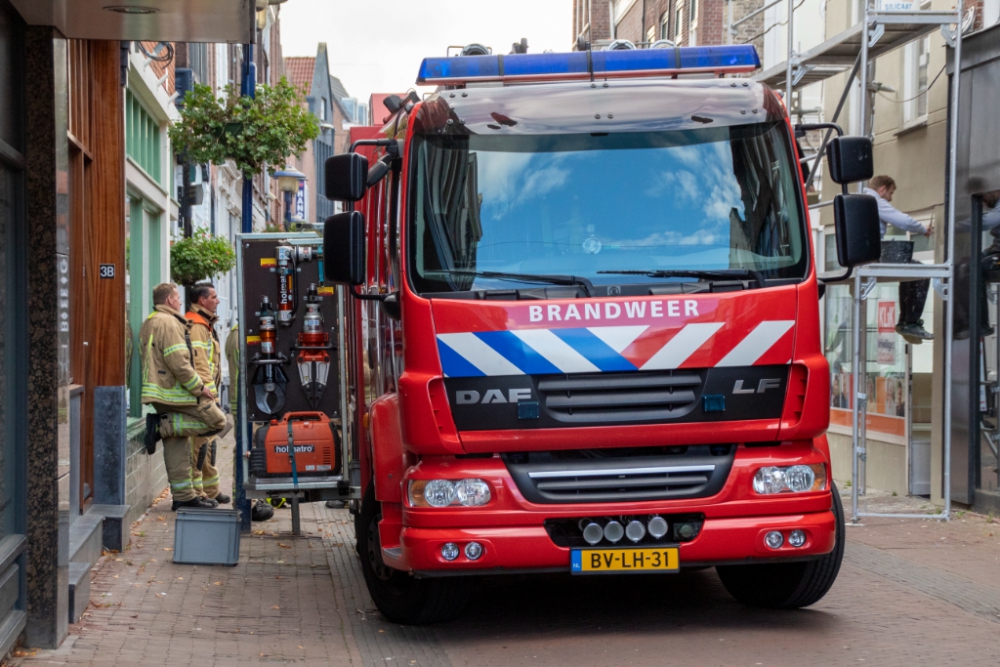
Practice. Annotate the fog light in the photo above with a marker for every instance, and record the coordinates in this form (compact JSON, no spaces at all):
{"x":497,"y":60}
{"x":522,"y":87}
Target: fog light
{"x":657,"y":527}
{"x":774,"y":539}
{"x":473,"y":550}
{"x":613,"y":531}
{"x":685,"y":531}
{"x":593,"y":533}
{"x":797,"y":538}
{"x":449,"y":551}
{"x":635,"y":531}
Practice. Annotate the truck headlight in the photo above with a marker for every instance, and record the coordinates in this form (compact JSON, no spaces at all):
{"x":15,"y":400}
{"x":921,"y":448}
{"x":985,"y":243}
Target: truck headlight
{"x":445,"y":492}
{"x":790,"y":479}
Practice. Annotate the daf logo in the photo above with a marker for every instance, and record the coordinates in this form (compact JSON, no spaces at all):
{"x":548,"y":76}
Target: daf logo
{"x":471,"y":396}
{"x":762,"y":386}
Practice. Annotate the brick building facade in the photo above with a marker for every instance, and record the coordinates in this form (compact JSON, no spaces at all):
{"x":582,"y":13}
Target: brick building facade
{"x":685,"y":22}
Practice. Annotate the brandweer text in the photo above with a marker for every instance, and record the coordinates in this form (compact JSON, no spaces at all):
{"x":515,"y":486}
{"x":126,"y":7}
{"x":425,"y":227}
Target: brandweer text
{"x":610,"y":310}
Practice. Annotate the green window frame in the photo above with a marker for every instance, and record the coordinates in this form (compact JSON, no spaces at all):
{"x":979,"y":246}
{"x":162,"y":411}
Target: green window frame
{"x":143,"y":137}
{"x":145,"y":272}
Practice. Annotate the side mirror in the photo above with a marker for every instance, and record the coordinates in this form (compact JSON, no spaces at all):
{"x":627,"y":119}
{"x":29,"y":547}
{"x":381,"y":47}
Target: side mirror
{"x":345,"y":177}
{"x":856,"y":224}
{"x":850,"y":159}
{"x":344,"y":248}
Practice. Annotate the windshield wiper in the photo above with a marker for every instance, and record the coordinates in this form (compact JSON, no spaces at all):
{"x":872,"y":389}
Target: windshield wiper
{"x":588,"y":287}
{"x":717,"y":274}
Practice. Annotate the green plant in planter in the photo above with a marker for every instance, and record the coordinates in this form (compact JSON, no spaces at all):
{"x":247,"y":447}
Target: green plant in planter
{"x":200,"y":257}
{"x":255,"y":133}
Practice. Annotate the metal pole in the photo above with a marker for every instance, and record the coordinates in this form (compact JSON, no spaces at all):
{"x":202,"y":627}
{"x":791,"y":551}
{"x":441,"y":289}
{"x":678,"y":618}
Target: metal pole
{"x":950,"y":256}
{"x":859,"y":364}
{"x":791,"y":51}
{"x":854,"y":403}
{"x":729,"y":23}
{"x":241,"y":502}
{"x":861,"y":392}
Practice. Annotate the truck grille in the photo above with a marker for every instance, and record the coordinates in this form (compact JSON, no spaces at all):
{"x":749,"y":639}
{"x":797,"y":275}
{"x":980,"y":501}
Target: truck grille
{"x":626,"y":397}
{"x":611,"y":476}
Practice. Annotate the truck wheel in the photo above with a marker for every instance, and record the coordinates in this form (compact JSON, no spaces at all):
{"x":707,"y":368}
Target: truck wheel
{"x":787,"y":585}
{"x":400,"y":597}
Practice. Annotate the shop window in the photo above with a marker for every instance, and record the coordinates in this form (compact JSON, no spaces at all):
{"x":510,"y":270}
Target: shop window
{"x":885,"y":371}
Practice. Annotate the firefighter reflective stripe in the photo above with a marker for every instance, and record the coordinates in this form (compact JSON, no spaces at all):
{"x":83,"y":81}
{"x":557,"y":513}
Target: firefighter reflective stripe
{"x":607,"y":349}
{"x":192,"y":383}
{"x":152,"y":393}
{"x":175,"y":348}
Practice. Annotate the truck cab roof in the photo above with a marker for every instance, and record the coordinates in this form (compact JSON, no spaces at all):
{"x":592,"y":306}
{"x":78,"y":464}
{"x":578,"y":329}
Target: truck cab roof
{"x":620,"y":105}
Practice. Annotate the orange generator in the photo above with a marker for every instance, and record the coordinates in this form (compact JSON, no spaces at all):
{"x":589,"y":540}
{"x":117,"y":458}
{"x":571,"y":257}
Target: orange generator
{"x":300,"y":444}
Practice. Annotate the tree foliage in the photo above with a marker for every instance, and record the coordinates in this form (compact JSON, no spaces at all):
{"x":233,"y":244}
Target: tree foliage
{"x":200,"y":257}
{"x":253,"y":132}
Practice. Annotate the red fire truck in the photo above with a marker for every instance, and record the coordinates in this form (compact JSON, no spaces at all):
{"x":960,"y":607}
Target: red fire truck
{"x":585,"y":327}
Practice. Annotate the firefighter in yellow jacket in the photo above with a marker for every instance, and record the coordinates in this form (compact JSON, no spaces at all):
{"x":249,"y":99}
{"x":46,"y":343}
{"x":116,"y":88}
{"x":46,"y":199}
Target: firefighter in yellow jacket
{"x":208,"y":363}
{"x":184,"y":406}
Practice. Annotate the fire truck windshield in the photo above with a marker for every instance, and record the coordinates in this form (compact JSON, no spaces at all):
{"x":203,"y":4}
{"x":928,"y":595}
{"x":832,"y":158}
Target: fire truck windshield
{"x":601,"y":205}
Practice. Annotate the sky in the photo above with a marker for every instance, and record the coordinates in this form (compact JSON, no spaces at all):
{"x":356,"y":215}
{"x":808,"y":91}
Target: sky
{"x":377,"y":45}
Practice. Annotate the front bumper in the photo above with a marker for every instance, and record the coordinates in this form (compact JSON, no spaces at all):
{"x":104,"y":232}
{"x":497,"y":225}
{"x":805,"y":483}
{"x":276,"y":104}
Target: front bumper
{"x":520,"y":548}
{"x":514,"y":538}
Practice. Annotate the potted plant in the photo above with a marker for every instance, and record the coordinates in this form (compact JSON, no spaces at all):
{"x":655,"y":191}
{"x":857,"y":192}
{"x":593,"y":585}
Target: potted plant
{"x":256,"y":133}
{"x":200,"y":257}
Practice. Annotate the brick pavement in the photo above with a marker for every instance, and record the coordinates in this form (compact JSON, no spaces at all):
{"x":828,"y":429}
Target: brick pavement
{"x":905,"y":596}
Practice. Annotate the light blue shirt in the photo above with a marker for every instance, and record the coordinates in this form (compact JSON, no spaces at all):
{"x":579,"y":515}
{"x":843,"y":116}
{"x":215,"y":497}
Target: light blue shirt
{"x":890,"y":215}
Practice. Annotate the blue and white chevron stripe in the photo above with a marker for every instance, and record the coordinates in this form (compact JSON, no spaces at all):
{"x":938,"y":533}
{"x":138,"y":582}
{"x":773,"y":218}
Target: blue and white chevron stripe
{"x":537,"y":351}
{"x":590,"y":349}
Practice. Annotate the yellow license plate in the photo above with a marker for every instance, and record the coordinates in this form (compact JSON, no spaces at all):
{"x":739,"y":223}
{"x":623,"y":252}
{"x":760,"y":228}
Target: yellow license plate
{"x":597,"y":561}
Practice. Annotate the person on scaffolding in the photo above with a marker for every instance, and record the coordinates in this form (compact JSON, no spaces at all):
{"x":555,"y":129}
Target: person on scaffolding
{"x":912,"y":293}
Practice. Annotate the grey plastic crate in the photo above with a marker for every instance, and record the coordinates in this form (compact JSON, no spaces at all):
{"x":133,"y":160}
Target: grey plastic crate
{"x":207,"y":537}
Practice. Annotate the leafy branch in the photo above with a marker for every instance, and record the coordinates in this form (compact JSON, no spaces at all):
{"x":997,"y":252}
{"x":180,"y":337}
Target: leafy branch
{"x":256,"y":133}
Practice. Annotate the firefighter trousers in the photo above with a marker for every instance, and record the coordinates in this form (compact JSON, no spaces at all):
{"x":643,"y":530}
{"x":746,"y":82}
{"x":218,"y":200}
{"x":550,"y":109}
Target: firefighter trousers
{"x":177,"y":425}
{"x":204,"y":474}
{"x":205,"y":418}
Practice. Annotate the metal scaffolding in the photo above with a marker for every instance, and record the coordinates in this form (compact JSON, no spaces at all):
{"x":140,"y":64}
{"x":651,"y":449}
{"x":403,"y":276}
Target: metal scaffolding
{"x":877,"y":33}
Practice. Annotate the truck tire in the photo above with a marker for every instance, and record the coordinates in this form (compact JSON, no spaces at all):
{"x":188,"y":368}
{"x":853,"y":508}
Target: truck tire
{"x":399,"y":596}
{"x":788,"y":585}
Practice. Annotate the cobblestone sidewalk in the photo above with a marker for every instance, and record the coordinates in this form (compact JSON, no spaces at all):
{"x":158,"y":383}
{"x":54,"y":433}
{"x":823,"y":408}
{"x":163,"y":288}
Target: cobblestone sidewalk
{"x":910,"y":592}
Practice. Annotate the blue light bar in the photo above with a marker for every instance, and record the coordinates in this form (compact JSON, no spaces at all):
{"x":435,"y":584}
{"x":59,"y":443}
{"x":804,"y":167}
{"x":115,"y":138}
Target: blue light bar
{"x":586,"y":64}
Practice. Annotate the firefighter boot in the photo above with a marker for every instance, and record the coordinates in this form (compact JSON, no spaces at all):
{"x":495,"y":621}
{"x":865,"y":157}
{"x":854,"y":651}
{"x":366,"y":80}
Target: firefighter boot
{"x":261,"y":511}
